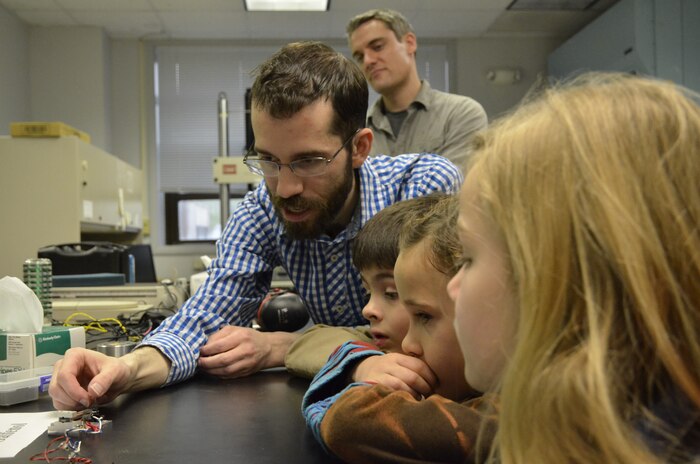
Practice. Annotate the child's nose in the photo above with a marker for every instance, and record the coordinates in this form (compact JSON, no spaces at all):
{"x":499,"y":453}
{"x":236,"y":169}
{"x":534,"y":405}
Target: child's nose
{"x":411,"y":346}
{"x":371,"y":311}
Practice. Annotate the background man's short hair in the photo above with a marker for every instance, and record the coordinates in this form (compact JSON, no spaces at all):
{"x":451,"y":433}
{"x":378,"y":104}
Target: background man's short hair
{"x":393,"y":19}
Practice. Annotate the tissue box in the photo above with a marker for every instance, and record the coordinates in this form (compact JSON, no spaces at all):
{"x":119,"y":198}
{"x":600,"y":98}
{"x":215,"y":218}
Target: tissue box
{"x":19,"y":351}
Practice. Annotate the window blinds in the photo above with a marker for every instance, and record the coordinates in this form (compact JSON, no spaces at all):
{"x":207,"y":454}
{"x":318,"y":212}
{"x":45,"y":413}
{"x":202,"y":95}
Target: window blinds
{"x":188,"y":80}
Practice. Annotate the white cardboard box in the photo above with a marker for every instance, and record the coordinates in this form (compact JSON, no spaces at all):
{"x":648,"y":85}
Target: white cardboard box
{"x":19,"y":351}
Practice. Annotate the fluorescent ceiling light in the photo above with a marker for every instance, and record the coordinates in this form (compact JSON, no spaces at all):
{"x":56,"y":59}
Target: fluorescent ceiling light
{"x":286,"y":5}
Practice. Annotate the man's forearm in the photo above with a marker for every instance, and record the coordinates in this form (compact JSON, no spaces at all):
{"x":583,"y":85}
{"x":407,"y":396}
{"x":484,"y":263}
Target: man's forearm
{"x":149,"y":368}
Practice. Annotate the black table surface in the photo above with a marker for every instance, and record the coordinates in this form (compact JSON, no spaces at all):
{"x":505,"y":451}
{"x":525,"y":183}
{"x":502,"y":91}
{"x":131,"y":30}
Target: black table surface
{"x":255,"y":419}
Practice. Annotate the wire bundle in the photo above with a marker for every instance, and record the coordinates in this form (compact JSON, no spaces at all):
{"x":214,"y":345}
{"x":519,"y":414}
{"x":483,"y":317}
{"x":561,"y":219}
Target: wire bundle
{"x":89,"y":422}
{"x":132,"y":328}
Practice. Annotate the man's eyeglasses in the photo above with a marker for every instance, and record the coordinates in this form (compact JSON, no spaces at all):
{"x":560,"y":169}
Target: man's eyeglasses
{"x":304,"y":167}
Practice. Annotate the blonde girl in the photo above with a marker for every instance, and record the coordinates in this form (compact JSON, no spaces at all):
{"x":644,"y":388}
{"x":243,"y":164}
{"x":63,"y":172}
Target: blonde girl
{"x":579,"y":295}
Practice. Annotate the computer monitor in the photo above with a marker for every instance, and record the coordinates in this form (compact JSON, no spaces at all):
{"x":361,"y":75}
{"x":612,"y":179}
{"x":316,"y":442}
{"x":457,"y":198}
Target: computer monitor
{"x":145,"y":268}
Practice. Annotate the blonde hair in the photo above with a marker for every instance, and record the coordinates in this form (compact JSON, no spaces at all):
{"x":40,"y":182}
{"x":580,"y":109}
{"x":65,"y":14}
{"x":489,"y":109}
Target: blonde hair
{"x":377,"y":243}
{"x":595,"y":188}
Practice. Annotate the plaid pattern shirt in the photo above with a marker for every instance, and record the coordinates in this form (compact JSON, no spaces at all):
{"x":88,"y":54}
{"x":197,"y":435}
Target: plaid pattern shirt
{"x":254,"y":242}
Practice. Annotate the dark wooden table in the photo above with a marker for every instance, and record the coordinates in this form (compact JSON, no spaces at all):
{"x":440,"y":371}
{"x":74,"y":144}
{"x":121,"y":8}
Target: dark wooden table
{"x":256,"y":419}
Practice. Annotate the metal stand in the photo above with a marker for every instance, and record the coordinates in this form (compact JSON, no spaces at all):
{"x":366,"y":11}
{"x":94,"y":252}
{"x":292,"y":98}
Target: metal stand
{"x":223,"y":152}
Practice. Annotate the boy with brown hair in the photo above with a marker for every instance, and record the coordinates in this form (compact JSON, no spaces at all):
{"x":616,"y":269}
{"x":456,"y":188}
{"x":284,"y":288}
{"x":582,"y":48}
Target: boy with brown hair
{"x":439,"y":420}
{"x":374,"y":253}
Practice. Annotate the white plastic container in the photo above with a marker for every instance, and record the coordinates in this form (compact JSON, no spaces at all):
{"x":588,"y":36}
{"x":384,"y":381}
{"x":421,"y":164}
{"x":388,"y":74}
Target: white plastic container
{"x":26,"y":385}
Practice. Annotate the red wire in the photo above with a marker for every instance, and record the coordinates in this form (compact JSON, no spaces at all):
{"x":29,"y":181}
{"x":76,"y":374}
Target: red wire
{"x":44,"y":456}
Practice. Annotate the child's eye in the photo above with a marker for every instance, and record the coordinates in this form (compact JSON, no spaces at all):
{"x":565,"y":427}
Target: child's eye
{"x":391,"y":295}
{"x":422,"y":317}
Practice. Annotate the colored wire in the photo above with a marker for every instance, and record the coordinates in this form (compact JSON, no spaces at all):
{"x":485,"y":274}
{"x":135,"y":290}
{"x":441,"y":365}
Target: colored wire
{"x":64,"y":445}
{"x":91,"y":423}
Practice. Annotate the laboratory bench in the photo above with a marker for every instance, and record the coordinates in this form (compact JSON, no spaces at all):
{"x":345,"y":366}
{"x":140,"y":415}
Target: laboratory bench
{"x":255,"y":419}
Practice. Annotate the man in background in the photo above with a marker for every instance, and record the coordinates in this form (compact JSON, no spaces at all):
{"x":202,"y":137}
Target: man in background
{"x":410,"y":116}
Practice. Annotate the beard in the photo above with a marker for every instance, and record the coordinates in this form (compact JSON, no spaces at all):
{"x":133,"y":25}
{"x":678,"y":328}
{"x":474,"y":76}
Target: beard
{"x":326,"y":210}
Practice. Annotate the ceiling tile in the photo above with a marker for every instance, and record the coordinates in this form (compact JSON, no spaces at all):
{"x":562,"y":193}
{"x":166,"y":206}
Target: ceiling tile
{"x":290,"y":25}
{"x":46,"y":18}
{"x":114,"y":5}
{"x":122,"y":24}
{"x":204,"y":25}
{"x":18,"y":5}
{"x":551,"y":5}
{"x":462,"y":5}
{"x":199,"y":5}
{"x":363,"y":5}
{"x":453,"y":23}
{"x":207,"y":19}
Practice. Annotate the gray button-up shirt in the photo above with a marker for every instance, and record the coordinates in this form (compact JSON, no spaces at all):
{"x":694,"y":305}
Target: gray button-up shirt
{"x":437,"y":122}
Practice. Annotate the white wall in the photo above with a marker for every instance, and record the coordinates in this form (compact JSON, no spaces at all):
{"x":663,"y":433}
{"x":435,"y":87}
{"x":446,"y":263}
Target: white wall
{"x":75,"y":75}
{"x":475,"y":57}
{"x":125,"y":97}
{"x":14,"y":71}
{"x":69,"y":75}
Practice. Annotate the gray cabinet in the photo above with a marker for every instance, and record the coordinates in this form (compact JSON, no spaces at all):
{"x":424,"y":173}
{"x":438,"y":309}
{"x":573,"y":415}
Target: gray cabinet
{"x":654,"y":37}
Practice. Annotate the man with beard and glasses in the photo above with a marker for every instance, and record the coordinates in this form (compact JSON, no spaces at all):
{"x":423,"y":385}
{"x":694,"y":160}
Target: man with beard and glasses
{"x":311,"y":147}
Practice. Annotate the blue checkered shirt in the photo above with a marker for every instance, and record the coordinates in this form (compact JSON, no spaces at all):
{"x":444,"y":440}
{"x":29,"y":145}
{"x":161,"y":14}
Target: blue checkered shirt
{"x":254,"y":243}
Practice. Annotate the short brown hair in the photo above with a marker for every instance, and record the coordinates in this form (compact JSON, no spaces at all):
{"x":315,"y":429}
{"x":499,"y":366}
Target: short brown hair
{"x":377,"y":243}
{"x":439,"y":224}
{"x":393,"y":19}
{"x":301,"y":73}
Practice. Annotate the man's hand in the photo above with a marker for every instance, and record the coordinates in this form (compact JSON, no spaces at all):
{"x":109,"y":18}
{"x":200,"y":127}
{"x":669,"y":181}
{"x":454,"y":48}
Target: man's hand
{"x":397,"y":371}
{"x":239,"y":351}
{"x":84,"y":377}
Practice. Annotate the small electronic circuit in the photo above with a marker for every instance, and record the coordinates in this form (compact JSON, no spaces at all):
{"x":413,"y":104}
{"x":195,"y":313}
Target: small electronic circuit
{"x":75,"y":423}
{"x":68,"y":431}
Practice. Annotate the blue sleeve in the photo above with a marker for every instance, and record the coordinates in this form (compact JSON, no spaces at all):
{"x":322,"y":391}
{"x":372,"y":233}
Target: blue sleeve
{"x":331,"y":382}
{"x":431,"y":173}
{"x":238,"y":280}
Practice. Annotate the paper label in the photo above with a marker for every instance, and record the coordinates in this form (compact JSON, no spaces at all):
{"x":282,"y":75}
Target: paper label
{"x":52,"y":343}
{"x":87,"y":209}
